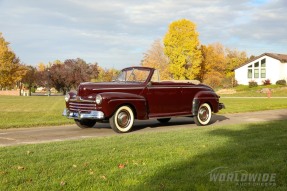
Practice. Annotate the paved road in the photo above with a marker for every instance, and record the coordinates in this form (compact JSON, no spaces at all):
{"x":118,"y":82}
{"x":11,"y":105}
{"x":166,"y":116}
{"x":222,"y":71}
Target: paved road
{"x":11,"y":137}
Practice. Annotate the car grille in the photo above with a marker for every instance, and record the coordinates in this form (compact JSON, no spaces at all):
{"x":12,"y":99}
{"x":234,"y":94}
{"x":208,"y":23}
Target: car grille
{"x":81,"y":106}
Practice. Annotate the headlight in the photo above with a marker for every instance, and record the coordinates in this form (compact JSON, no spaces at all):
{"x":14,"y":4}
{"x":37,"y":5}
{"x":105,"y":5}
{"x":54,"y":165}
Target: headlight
{"x":67,"y":97}
{"x":99,"y":99}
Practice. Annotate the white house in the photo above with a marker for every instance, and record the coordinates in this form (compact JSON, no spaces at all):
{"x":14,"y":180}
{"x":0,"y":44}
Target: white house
{"x":266,"y":66}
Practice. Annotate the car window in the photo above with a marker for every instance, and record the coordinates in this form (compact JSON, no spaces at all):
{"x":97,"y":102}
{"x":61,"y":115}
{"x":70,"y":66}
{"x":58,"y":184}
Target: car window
{"x":133,"y":75}
{"x":138,"y":75}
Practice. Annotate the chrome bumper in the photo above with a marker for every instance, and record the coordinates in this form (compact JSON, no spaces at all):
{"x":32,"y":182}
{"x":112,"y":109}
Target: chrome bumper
{"x":78,"y":115}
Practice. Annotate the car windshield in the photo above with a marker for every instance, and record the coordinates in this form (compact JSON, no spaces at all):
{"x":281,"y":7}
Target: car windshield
{"x":133,"y":75}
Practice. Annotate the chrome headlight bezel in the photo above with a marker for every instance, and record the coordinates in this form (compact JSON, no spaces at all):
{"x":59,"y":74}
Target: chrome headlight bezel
{"x":99,"y":99}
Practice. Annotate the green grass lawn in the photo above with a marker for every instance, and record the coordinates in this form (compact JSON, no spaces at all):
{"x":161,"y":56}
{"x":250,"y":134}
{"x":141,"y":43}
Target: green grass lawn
{"x":45,"y":111}
{"x":238,"y":105}
{"x":245,"y":91}
{"x":182,"y":159}
{"x":22,"y":111}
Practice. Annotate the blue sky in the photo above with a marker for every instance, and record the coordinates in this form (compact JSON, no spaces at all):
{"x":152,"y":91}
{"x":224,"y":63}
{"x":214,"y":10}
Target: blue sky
{"x":117,"y":33}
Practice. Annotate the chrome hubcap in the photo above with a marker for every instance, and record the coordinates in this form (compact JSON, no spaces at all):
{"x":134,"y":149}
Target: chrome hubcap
{"x":123,"y":119}
{"x":203,"y":114}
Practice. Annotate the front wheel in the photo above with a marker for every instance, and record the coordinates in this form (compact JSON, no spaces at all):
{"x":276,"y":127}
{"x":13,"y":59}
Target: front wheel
{"x":85,"y":123}
{"x":203,"y":116}
{"x":122,"y":120}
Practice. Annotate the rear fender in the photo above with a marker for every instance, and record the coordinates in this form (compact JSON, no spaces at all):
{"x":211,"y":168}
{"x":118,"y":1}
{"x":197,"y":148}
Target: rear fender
{"x":209,"y":97}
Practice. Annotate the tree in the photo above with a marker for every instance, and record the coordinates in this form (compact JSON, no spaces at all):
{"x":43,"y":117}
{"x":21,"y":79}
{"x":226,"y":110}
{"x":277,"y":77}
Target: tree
{"x":182,"y":48}
{"x":105,"y":75}
{"x":68,"y":75}
{"x":30,"y":77}
{"x":213,"y":64}
{"x":41,"y":66}
{"x":234,"y":58}
{"x":155,"y":58}
{"x":11,"y":71}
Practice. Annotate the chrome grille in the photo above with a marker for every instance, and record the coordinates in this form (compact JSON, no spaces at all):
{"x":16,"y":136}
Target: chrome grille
{"x":81,"y":106}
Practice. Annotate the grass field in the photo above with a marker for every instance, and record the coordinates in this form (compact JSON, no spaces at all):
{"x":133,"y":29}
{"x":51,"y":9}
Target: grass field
{"x":22,"y":111}
{"x":245,"y":91}
{"x":45,"y":111}
{"x":237,"y":105}
{"x":188,"y":159}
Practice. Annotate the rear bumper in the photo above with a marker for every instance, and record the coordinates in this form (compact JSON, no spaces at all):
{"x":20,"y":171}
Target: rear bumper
{"x":96,"y":115}
{"x":221,"y":106}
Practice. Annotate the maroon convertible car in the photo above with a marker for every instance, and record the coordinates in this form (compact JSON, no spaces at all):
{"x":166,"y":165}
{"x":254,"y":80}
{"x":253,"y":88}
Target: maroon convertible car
{"x":138,"y":93}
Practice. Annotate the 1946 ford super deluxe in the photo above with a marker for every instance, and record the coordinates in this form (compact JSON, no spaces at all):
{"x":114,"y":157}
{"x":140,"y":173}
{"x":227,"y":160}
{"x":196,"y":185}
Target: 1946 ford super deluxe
{"x":138,"y":93}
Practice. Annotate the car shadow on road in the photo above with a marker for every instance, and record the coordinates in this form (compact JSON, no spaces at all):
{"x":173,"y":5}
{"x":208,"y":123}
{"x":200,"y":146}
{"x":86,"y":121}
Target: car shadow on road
{"x":140,"y":125}
{"x":218,"y":118}
{"x":176,"y":121}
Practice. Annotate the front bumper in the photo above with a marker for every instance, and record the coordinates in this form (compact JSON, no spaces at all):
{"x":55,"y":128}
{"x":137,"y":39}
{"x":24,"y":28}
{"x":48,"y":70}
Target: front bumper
{"x":221,"y":106}
{"x":97,"y":115}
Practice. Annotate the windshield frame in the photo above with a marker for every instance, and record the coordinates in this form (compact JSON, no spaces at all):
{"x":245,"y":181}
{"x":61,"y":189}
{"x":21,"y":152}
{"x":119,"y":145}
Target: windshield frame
{"x":132,"y":75}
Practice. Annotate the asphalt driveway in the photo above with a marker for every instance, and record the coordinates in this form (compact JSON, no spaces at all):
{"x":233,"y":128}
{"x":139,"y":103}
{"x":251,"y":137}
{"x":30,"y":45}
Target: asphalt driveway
{"x":18,"y":136}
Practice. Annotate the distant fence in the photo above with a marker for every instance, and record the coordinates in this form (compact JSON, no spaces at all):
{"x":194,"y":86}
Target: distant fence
{"x":10,"y":92}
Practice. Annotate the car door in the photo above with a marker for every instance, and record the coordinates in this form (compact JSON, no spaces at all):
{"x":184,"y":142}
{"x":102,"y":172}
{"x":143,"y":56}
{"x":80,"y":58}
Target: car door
{"x":164,"y":99}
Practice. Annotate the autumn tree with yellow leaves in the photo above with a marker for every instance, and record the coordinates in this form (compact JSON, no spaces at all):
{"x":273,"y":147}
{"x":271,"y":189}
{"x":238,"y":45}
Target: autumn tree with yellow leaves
{"x":217,"y":67}
{"x":11,"y":71}
{"x":155,"y":58}
{"x":182,"y":46}
{"x":213,"y":64}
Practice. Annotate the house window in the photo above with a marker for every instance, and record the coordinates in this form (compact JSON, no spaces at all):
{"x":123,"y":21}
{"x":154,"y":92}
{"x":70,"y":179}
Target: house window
{"x":263,"y":73}
{"x":249,"y":73}
{"x":256,"y":70}
{"x":263,"y":68}
{"x":256,"y":73}
{"x":263,"y":63}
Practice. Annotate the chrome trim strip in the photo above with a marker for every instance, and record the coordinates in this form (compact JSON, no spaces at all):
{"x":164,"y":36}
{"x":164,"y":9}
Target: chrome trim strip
{"x":124,"y":88}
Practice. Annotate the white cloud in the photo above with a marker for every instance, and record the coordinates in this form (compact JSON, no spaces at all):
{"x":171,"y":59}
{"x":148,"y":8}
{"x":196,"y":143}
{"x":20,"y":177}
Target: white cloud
{"x":117,"y":33}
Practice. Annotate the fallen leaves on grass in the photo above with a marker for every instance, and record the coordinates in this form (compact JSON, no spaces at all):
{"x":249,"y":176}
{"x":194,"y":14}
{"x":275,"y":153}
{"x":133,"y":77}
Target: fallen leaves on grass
{"x":91,"y":172}
{"x":29,"y":152}
{"x":3,"y":172}
{"x":63,"y":183}
{"x":21,"y":168}
{"x":121,"y":166}
{"x":104,"y":177}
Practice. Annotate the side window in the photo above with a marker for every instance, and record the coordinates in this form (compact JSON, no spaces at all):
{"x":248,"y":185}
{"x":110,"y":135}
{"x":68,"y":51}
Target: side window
{"x":249,"y":71}
{"x":155,"y":76}
{"x":256,"y":70}
{"x":263,"y":68}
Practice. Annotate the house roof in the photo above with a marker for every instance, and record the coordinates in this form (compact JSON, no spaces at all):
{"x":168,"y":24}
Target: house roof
{"x":281,"y":57}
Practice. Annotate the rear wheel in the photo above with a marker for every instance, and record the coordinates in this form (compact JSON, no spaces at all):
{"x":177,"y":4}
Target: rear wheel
{"x":203,"y":116}
{"x":122,"y":120}
{"x":164,"y":120}
{"x":85,"y":123}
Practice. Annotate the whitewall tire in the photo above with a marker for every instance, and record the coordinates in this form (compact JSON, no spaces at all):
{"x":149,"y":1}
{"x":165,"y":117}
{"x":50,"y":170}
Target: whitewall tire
{"x":122,"y":120}
{"x":204,"y":114}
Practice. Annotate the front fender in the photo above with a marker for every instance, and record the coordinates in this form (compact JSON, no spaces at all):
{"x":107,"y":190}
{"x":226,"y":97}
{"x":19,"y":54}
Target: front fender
{"x":209,"y":97}
{"x":113,"y":100}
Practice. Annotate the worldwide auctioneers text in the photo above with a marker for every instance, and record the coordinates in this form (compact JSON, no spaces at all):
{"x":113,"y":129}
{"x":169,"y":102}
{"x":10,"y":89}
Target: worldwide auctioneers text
{"x":242,"y":177}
